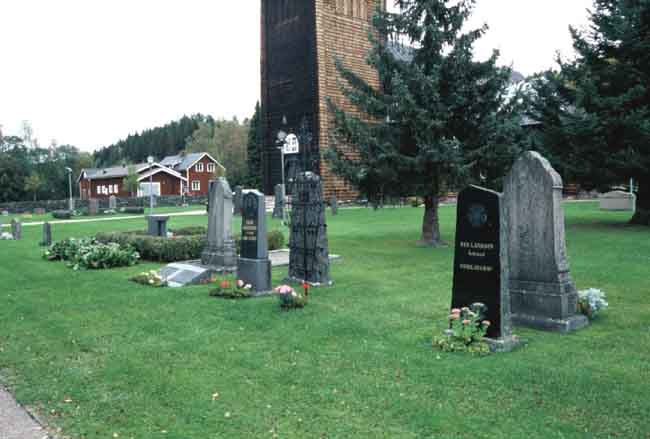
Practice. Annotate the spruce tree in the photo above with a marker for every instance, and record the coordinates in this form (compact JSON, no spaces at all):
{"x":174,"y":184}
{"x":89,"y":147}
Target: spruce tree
{"x":595,"y":110}
{"x":437,"y":117}
{"x":254,"y":156}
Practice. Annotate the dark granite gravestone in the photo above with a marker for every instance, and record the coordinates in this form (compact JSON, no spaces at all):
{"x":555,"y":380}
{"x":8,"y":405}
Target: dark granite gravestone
{"x":278,"y":207}
{"x":16,"y":229}
{"x":253,"y":264}
{"x":93,"y":207}
{"x":543,"y":294}
{"x":157,"y":225}
{"x":334,"y":205}
{"x":481,"y":262}
{"x":47,"y":235}
{"x":308,"y":245}
{"x":237,"y":200}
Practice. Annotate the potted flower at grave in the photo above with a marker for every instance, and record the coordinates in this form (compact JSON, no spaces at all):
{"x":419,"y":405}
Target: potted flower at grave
{"x":466,"y":331}
{"x":229,"y":289}
{"x":290,"y":298}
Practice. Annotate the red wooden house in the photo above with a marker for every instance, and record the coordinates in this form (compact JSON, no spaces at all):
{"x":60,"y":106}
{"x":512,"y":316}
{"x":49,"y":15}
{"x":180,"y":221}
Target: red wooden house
{"x":186,"y":174}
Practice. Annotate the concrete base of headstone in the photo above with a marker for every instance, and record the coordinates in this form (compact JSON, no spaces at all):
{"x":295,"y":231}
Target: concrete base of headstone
{"x":221,"y":257}
{"x":618,"y":201}
{"x":504,"y":344}
{"x":180,"y":274}
{"x":570,"y":324}
{"x":256,"y":272}
{"x":549,"y":306}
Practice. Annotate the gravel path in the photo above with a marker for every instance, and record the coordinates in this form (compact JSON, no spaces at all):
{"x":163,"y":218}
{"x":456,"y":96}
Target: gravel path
{"x":15,"y":422}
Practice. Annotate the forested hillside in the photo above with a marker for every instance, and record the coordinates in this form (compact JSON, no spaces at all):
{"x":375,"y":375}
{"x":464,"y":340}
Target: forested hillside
{"x":158,"y":142}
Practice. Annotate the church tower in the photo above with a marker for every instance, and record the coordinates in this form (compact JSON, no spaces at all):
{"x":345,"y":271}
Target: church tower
{"x":300,"y":40}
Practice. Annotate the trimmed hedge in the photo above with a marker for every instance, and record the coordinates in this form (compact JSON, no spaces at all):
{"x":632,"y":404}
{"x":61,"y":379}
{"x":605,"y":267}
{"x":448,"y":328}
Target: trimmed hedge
{"x":133,"y":210}
{"x":179,"y":248}
{"x":62,"y":214}
{"x":159,"y":249}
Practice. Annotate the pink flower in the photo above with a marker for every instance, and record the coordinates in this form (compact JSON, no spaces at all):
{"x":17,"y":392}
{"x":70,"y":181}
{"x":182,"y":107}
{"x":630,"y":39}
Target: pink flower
{"x":455,"y":311}
{"x":284,"y":289}
{"x":466,"y":322}
{"x":454,"y":317}
{"x":240,"y":283}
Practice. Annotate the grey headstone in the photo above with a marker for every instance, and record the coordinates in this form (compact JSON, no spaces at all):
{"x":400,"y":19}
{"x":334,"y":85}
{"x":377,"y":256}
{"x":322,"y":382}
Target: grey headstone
{"x":618,"y":200}
{"x":254,"y":265}
{"x":237,"y":199}
{"x":481,"y":262}
{"x":16,"y":229}
{"x":47,"y":235}
{"x":334,"y":205}
{"x":5,"y":213}
{"x":112,"y":202}
{"x":220,"y":250}
{"x":308,"y":244}
{"x":93,"y":207}
{"x":278,"y":207}
{"x":157,"y":225}
{"x":542,"y":293}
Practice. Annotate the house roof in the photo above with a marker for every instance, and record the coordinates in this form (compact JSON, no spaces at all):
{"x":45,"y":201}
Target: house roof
{"x":113,"y":172}
{"x":184,"y":162}
{"x":161,"y":169}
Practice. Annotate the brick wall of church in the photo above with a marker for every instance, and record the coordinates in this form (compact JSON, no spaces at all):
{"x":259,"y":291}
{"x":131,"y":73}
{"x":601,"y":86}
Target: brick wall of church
{"x":342,"y":28}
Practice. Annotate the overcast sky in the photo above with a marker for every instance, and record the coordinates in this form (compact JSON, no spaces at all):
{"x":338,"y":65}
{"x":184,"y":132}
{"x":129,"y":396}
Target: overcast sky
{"x":90,"y":72}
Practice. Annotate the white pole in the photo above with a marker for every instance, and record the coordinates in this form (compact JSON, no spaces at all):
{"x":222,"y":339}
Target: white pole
{"x":631,"y":185}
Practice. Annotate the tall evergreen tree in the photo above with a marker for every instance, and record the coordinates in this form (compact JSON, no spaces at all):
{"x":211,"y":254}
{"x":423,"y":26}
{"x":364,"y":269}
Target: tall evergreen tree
{"x":595,"y":110}
{"x":436,"y":117}
{"x":254,"y":149}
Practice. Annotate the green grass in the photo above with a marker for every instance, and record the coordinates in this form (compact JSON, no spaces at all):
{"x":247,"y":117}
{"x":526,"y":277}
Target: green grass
{"x":356,"y":363}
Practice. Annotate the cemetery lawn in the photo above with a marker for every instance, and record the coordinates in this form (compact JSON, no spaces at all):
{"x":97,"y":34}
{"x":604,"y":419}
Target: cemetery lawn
{"x":101,"y":357}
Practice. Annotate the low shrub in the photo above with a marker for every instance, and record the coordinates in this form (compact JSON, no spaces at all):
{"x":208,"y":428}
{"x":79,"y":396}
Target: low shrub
{"x":150,"y":278}
{"x":62,"y":214}
{"x":66,"y":250}
{"x":133,"y":210}
{"x":190,"y":231}
{"x":276,"y":240}
{"x":159,"y":249}
{"x":89,"y":253}
{"x":229,"y":289}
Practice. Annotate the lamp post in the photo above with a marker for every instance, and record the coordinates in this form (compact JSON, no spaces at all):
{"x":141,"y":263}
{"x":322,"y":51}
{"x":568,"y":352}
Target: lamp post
{"x":150,"y":162}
{"x":71,"y":202}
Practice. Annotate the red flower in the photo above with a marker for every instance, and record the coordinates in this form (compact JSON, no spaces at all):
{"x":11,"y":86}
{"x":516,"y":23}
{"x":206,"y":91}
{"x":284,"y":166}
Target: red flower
{"x":225,"y":284}
{"x":306,"y":286}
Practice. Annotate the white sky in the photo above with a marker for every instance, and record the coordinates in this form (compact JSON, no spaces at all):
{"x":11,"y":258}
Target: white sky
{"x":90,"y":72}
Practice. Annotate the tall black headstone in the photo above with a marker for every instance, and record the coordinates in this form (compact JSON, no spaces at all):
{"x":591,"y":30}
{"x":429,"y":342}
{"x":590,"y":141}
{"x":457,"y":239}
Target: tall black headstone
{"x":253,"y":264}
{"x":481,"y":261}
{"x":308,"y":245}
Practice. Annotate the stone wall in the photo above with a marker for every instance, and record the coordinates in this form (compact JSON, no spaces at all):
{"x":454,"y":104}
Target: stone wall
{"x":51,"y":205}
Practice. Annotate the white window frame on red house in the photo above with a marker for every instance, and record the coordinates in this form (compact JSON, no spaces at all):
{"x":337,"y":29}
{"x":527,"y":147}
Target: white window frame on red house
{"x":196,"y":185}
{"x":199,"y":167}
{"x":211,"y":167}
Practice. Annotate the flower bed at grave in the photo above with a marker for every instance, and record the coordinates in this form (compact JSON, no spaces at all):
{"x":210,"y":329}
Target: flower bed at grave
{"x":290,"y":298}
{"x":466,"y":331}
{"x":89,"y":253}
{"x":230,"y":289}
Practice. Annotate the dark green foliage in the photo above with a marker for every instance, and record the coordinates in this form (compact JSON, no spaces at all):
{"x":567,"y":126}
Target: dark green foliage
{"x":189,"y":231}
{"x":159,"y":249}
{"x":254,"y":150}
{"x":158,"y":142}
{"x":133,"y":210}
{"x":441,"y":117}
{"x":20,"y":161}
{"x":595,"y":110}
{"x":90,"y":254}
{"x":276,"y":240}
{"x":62,"y":214}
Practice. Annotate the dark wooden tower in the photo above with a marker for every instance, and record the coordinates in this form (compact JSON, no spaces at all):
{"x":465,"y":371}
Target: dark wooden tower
{"x":300,"y":39}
